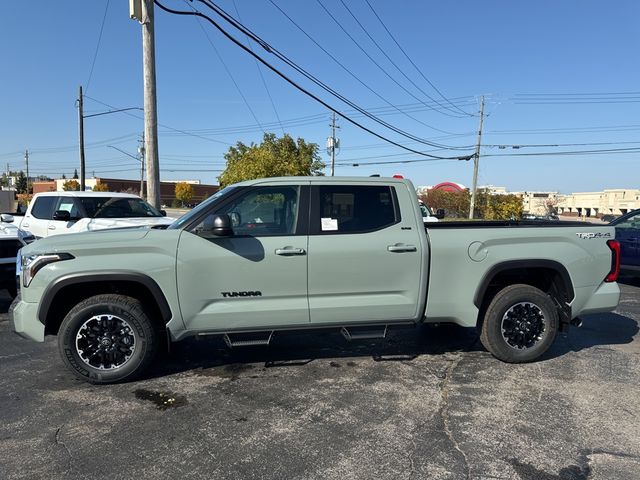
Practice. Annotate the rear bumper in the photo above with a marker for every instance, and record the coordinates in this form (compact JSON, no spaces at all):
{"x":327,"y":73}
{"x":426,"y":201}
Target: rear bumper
{"x":604,"y":299}
{"x":23,"y":318}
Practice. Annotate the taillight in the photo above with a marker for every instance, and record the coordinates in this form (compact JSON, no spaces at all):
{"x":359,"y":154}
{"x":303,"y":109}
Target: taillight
{"x":612,"y":276}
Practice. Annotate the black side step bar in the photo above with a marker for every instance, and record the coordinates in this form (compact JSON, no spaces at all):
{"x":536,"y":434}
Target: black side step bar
{"x":247,"y":340}
{"x":364,"y":333}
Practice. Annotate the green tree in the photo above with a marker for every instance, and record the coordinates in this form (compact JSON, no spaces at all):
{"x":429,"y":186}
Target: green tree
{"x":101,"y":187}
{"x":71,"y":185}
{"x":499,"y":207}
{"x":184,"y":192}
{"x":21,"y":182}
{"x":274,"y":157}
{"x":75,"y":174}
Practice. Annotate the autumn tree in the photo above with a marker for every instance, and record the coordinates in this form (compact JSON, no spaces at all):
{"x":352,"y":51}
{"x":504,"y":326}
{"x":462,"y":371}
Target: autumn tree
{"x":274,"y":157}
{"x":101,"y":187}
{"x":455,"y":204}
{"x":184,"y":192}
{"x":71,"y":185}
{"x":487,"y":206}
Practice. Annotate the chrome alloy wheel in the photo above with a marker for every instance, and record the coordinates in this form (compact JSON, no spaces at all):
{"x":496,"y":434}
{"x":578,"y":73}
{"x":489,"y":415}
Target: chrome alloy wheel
{"x":523,"y":325}
{"x":105,"y":342}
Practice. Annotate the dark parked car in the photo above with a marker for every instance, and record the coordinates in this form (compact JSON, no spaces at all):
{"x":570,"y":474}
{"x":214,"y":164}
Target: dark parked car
{"x":628,"y":234}
{"x":608,"y":218}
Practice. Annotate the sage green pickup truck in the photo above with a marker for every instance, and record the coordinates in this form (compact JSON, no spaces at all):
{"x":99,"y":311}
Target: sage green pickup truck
{"x":350,"y":254}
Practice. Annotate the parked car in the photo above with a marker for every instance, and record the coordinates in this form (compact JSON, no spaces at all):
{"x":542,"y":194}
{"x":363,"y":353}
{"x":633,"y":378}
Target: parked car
{"x":12,"y":239}
{"x":427,"y":214}
{"x":295,"y":253}
{"x":55,"y":213}
{"x":628,"y":234}
{"x":608,"y":218}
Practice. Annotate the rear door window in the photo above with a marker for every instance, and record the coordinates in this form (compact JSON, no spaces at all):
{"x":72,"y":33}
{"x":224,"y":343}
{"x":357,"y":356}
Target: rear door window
{"x":354,"y":209}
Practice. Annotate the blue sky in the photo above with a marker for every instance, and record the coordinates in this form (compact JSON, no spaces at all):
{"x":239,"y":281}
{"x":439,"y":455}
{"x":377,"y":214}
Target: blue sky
{"x":574,"y":54}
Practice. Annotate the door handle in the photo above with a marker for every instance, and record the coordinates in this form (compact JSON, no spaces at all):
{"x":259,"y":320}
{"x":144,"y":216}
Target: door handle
{"x":287,"y":251}
{"x":26,"y":225}
{"x":399,"y":248}
{"x":52,"y":227}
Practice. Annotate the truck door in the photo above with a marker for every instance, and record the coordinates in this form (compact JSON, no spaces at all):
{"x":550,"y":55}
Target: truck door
{"x":256,"y":278}
{"x":365,"y":259}
{"x":67,"y":204}
{"x":36,"y":220}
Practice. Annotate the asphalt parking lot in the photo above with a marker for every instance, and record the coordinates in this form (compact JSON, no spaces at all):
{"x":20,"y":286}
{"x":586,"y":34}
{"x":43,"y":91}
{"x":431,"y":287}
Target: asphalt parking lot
{"x":426,"y":403}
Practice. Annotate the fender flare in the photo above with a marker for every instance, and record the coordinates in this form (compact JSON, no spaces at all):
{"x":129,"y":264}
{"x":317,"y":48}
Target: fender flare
{"x":521,"y":264}
{"x":111,"y":275}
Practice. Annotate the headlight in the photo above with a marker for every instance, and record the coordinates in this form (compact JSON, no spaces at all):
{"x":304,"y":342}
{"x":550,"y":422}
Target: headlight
{"x":32,"y":263}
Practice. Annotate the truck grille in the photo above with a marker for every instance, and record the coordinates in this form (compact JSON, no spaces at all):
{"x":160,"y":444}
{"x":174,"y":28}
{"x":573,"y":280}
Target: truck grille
{"x":9,"y":248}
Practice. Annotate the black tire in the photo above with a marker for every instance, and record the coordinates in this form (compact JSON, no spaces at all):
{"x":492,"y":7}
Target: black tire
{"x":108,"y":339}
{"x":520,"y":324}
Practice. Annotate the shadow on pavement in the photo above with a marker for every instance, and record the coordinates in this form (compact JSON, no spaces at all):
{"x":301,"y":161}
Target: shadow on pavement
{"x":300,"y":349}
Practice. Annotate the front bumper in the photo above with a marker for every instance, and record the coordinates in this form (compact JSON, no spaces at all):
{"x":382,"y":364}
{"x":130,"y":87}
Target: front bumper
{"x":23,"y":318}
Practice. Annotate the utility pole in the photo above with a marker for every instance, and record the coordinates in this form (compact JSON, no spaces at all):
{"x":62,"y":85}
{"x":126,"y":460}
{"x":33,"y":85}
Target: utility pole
{"x":150,"y":105}
{"x":141,"y":152}
{"x":333,"y":143}
{"x":476,"y":160}
{"x":81,"y":132}
{"x":26,"y":159}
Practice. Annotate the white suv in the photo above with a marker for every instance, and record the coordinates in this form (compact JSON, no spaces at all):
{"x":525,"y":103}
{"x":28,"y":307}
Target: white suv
{"x":55,"y":213}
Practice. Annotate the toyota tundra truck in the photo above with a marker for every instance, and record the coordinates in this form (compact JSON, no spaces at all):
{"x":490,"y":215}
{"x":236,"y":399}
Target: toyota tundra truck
{"x":294,"y":253}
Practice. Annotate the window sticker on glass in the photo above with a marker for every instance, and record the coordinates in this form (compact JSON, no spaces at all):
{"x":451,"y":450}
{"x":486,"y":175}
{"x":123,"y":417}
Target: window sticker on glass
{"x":329,"y":224}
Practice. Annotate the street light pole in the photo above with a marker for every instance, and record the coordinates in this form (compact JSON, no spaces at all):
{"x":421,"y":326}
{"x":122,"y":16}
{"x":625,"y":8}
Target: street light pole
{"x":81,"y":134}
{"x":476,"y":161}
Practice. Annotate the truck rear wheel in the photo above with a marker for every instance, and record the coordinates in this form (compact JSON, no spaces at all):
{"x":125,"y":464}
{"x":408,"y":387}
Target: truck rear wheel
{"x":107,"y":338}
{"x":520,"y":324}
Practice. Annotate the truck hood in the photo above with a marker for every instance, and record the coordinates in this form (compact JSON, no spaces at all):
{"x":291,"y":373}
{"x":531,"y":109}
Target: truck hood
{"x":82,"y":240}
{"x":104,"y":223}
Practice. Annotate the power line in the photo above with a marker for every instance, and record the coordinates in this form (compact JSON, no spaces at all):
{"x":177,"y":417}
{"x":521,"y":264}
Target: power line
{"x":355,"y":42}
{"x":244,"y":99}
{"x":264,"y":83}
{"x":395,"y":64}
{"x":411,"y":61}
{"x":95,"y":55}
{"x":540,"y":154}
{"x":160,"y":124}
{"x":283,"y":76}
{"x":270,"y":49}
{"x":348,"y":70}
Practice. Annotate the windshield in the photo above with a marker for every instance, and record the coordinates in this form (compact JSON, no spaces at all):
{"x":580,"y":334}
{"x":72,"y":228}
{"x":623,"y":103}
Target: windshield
{"x":117,"y":207}
{"x":186,"y":218}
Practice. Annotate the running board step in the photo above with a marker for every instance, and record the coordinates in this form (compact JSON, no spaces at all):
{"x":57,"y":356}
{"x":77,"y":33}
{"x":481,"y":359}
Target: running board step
{"x":364,"y":333}
{"x":247,"y":339}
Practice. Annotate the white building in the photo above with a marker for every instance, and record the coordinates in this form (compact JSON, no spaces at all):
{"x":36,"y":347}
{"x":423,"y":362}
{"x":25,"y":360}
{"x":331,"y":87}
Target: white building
{"x":616,"y":201}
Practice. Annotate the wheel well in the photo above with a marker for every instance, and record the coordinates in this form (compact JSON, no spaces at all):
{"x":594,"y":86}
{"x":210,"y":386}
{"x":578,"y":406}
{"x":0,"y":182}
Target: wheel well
{"x":70,"y":295}
{"x":554,"y":282}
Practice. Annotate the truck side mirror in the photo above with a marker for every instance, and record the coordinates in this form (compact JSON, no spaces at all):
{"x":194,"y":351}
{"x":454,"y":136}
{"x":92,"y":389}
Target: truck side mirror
{"x":439,"y":214}
{"x":62,"y":215}
{"x":222,"y":225}
{"x":163,"y":213}
{"x":6,"y":218}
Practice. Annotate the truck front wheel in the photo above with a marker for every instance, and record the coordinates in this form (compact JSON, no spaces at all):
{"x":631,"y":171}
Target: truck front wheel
{"x":107,"y":338}
{"x":520,"y":324}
